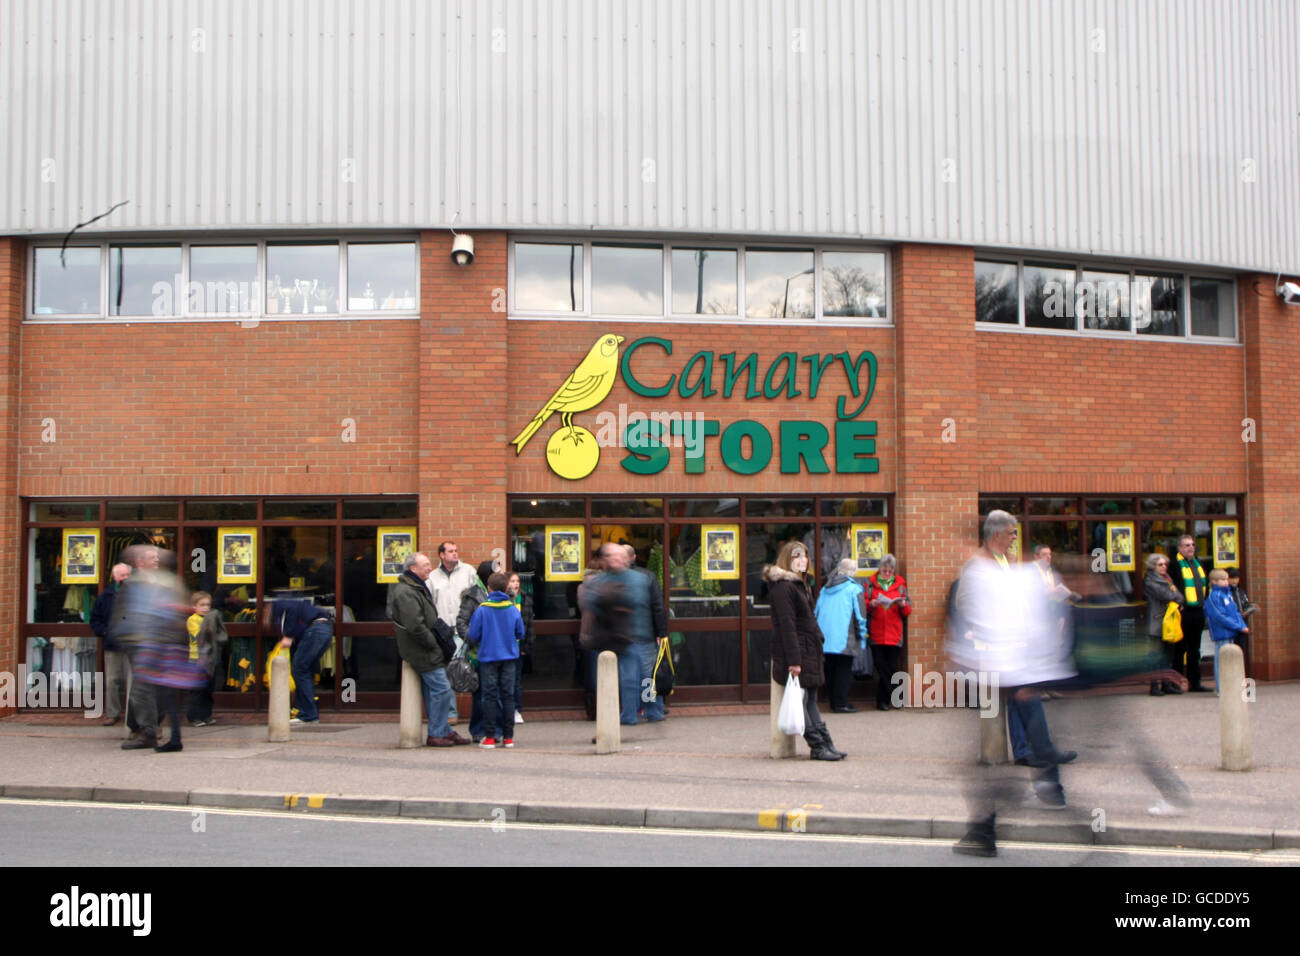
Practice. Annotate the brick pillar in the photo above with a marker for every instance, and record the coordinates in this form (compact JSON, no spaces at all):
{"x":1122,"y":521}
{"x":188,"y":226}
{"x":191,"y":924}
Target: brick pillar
{"x":938,"y":486}
{"x":12,"y":258}
{"x":1272,"y":520}
{"x":462,"y":382}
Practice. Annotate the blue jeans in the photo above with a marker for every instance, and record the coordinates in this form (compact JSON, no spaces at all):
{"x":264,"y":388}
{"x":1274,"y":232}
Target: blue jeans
{"x":1034,"y":722}
{"x":437,"y":701}
{"x":496,"y":679}
{"x":636,"y":683}
{"x":1016,"y":728}
{"x":306,"y":656}
{"x":519,"y":683}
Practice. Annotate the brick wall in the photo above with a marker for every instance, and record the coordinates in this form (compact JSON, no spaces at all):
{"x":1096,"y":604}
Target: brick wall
{"x":939,"y":434}
{"x":462,"y":384}
{"x":218,"y":409}
{"x":1273,"y":508}
{"x":1077,"y":415}
{"x":12,"y":261}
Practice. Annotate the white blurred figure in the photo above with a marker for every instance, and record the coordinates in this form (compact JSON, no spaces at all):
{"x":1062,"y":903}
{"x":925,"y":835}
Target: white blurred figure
{"x":1006,"y":629}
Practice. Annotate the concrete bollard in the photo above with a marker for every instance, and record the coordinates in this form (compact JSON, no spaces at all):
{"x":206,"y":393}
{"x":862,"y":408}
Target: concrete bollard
{"x":1234,"y":720}
{"x":410,"y":725}
{"x":608,"y":738}
{"x":277,"y":715}
{"x":993,"y":738}
{"x":781,"y":745}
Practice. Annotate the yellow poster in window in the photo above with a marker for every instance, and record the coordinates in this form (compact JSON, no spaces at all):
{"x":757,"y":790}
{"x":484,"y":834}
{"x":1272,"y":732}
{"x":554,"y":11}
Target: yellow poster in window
{"x":80,"y":556}
{"x":868,"y":544}
{"x":565,"y":558}
{"x":237,"y":553}
{"x":393,"y":546}
{"x":721,"y":544}
{"x":1119,"y":546}
{"x":1224,"y":535}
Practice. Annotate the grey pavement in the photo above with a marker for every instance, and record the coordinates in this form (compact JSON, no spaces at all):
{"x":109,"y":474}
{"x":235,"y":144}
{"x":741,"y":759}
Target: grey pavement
{"x":905,"y":775}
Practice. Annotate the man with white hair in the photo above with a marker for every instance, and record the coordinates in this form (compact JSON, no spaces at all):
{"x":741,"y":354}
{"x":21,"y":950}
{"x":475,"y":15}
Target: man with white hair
{"x":1009,"y":634}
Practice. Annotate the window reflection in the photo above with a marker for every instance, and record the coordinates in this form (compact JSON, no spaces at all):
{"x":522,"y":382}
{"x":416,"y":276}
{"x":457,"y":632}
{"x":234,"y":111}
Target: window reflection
{"x":1049,"y":297}
{"x":1212,"y":307}
{"x":1103,"y":301}
{"x":627,"y":280}
{"x":779,"y":284}
{"x":67,"y":285}
{"x":1158,"y":305}
{"x":223,"y":279}
{"x":704,"y":281}
{"x":548,"y":277}
{"x":133,"y":271}
{"x":853,"y":284}
{"x":997,"y":293}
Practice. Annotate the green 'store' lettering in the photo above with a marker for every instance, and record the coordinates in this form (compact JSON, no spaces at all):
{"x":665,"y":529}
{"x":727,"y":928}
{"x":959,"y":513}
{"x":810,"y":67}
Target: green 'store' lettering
{"x":746,"y":446}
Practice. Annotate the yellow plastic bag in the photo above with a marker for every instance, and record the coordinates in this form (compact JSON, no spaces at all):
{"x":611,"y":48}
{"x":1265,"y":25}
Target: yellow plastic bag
{"x":293,"y":685}
{"x":1172,"y":631}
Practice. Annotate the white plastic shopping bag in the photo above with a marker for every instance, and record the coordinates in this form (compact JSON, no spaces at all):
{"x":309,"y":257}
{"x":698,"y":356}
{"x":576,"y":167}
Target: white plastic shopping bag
{"x":789,"y":719}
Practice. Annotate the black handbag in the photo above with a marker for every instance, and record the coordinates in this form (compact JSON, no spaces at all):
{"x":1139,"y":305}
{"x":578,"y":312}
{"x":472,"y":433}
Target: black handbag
{"x":461,"y":674}
{"x":664,"y":676}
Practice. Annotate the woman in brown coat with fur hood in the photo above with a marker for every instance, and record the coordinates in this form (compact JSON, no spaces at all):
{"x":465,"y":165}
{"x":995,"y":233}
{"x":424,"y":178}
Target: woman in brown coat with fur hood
{"x":797,"y":640}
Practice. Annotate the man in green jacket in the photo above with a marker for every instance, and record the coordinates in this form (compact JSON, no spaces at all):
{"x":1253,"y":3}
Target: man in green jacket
{"x":414,"y":620}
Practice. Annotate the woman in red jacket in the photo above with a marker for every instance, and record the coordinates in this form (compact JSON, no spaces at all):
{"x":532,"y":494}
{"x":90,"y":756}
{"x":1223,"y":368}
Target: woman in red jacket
{"x":887,"y":604}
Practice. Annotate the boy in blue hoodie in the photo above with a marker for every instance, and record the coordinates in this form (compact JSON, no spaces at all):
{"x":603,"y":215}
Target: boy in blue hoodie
{"x":496,"y":629}
{"x":1223,"y":617}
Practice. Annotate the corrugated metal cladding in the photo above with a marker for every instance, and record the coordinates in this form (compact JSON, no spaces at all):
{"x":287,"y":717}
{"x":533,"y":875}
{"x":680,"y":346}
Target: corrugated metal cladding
{"x":1166,"y":129}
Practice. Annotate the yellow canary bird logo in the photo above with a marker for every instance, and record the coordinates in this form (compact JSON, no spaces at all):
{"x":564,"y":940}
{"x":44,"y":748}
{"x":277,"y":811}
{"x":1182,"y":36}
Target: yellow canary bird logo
{"x":585,"y":388}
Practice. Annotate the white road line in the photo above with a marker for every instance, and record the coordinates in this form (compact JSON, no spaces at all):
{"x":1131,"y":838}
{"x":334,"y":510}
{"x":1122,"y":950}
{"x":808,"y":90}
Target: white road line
{"x":1283,"y":857}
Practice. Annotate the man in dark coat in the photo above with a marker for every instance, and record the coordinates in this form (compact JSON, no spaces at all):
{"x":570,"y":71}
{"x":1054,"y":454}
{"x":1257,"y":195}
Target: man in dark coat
{"x":414,"y":620}
{"x":115,"y":666}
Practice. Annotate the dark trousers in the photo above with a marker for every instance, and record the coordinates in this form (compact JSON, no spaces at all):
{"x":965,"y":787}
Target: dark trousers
{"x":839,"y":676}
{"x":886,"y":658}
{"x":142,"y":708}
{"x":1187,"y":652}
{"x":169,"y":703}
{"x":814,"y":731}
{"x":200,"y":707}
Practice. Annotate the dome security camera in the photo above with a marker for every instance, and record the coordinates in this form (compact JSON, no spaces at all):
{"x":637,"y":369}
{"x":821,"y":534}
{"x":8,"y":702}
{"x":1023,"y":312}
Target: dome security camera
{"x":462,"y":250}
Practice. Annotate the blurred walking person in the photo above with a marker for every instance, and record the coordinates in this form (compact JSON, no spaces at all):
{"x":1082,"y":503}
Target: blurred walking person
{"x":1009,"y":637}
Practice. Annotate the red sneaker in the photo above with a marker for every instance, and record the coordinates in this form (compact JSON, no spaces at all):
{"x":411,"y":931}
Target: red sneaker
{"x":488,"y":743}
{"x":508,"y":742}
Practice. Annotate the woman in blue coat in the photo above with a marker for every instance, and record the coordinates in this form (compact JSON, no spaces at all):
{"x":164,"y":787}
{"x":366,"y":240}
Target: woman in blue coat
{"x":843,"y":622}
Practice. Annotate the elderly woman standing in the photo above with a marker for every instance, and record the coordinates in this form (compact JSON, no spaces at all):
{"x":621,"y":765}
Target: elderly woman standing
{"x":843,"y":621}
{"x":797,"y":640}
{"x":887,"y":604}
{"x":1160,"y":590}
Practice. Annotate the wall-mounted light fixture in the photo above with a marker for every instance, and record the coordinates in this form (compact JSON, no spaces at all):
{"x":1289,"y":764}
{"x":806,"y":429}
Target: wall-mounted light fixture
{"x":462,"y":246}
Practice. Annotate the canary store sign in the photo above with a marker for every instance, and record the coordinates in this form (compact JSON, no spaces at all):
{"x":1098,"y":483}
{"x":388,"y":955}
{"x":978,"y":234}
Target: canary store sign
{"x":743,"y":445}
